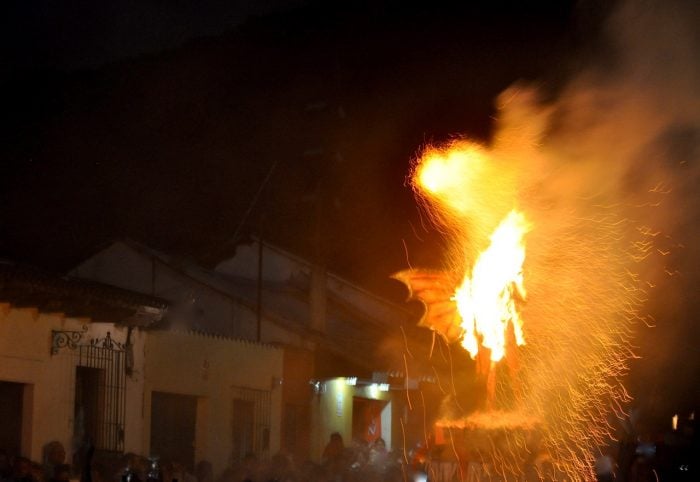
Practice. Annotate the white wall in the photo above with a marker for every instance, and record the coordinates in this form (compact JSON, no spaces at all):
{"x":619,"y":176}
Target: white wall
{"x":25,"y":357}
{"x":209,"y":367}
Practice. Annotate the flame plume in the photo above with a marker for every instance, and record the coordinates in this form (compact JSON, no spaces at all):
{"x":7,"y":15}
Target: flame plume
{"x":567,"y":348}
{"x":606,"y":176}
{"x":486,"y":300}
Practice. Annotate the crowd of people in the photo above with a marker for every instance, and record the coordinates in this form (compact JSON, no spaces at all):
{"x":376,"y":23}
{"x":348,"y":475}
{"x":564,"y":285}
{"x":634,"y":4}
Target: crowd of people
{"x":52,"y":468}
{"x":361,"y":461}
{"x":357,"y":462}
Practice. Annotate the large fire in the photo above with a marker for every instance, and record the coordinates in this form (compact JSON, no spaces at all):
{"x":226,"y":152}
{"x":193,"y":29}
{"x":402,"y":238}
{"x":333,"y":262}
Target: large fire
{"x":486,"y":300}
{"x":591,"y":176}
{"x":550,"y":366}
{"x":486,"y":297}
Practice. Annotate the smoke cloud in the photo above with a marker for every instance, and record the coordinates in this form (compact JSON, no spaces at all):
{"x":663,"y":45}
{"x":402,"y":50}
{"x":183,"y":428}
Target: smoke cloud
{"x":607,"y":174}
{"x":609,"y":170}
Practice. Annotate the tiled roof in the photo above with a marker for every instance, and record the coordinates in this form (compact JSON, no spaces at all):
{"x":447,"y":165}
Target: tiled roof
{"x":24,"y":286}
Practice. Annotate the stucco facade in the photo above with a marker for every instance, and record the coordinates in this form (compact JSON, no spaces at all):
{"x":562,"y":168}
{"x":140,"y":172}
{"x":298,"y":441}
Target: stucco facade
{"x":48,"y":379}
{"x":325,"y":326}
{"x":216,"y":371}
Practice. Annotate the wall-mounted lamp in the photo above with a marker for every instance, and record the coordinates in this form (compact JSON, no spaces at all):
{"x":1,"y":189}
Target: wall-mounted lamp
{"x":318,"y":386}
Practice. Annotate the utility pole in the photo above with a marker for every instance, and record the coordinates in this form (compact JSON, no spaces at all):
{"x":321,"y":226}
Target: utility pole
{"x":259,"y":305}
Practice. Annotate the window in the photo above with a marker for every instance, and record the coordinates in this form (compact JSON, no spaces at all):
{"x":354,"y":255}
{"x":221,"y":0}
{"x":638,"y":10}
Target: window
{"x":251,"y":423}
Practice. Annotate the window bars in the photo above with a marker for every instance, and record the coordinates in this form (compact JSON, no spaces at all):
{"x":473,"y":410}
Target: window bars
{"x":251,"y":422}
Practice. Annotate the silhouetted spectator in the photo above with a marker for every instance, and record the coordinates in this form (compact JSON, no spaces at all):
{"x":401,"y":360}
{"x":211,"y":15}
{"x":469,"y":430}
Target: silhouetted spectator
{"x":5,"y":466}
{"x":167,"y":471}
{"x":249,"y":469}
{"x":61,"y":473}
{"x":308,"y":471}
{"x":86,"y":469}
{"x":378,"y":455}
{"x":22,"y":470}
{"x":180,"y":473}
{"x":333,"y":450}
{"x":281,"y":469}
{"x":54,"y":455}
{"x":102,"y":470}
{"x":315,"y":473}
{"x":37,"y":471}
{"x":204,"y":472}
{"x":332,"y":457}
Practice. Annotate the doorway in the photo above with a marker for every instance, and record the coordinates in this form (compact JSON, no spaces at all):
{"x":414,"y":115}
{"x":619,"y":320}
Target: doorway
{"x":371,"y":420}
{"x":11,"y":395}
{"x":173,"y":419}
{"x":89,"y":400}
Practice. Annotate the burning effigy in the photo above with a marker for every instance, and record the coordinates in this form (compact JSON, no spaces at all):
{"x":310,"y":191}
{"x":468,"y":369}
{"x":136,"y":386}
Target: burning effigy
{"x":565,"y":232}
{"x":539,"y":287}
{"x":481,"y":309}
{"x":476,"y":302}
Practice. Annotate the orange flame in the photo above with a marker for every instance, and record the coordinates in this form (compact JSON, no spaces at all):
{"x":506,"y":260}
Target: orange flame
{"x":486,"y":301}
{"x":486,"y":297}
{"x":590,"y":263}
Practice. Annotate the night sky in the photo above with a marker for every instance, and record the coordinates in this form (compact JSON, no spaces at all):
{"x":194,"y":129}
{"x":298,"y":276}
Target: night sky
{"x":190,"y":125}
{"x":284,"y":124}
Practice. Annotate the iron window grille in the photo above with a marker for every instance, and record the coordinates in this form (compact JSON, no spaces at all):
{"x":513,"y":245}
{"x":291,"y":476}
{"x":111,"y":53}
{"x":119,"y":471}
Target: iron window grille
{"x":251,"y":422}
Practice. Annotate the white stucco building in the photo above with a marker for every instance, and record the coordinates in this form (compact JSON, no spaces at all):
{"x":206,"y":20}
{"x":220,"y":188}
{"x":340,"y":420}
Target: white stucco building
{"x":71,"y":362}
{"x":81,"y":360}
{"x":342,"y":348}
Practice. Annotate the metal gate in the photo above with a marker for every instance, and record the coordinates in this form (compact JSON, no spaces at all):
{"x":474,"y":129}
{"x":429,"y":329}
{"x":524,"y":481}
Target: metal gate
{"x":105,"y":378}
